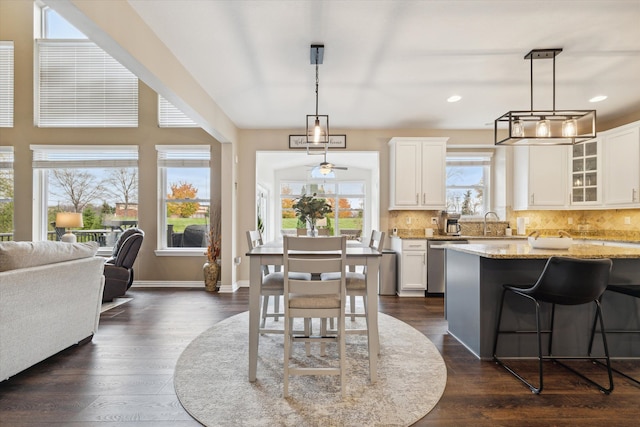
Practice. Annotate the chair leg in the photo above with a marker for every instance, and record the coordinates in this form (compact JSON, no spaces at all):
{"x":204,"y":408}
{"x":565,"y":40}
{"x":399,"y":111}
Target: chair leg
{"x":342,"y":350}
{"x":496,"y":359}
{"x":288,"y":324}
{"x":352,"y":307}
{"x":307,"y":333}
{"x":276,"y":307}
{"x":265,"y":305}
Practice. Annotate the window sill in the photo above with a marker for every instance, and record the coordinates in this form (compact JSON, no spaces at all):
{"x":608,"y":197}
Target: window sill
{"x":200,"y":252}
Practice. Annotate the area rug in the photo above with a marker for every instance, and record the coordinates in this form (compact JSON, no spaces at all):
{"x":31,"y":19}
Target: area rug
{"x":211,"y":380}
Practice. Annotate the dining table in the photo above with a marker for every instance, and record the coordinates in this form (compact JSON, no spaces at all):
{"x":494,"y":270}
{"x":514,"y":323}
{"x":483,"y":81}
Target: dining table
{"x":272,"y":253}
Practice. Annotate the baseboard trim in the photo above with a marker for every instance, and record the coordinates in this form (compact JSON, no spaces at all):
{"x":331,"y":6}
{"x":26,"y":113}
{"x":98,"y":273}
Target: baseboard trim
{"x":187,"y":284}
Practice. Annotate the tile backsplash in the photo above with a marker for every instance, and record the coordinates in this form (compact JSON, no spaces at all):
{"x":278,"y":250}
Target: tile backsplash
{"x":616,"y":223}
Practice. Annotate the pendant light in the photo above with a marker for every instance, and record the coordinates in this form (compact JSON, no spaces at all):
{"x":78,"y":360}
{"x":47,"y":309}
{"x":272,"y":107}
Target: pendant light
{"x":317,"y":124}
{"x":551,"y":127}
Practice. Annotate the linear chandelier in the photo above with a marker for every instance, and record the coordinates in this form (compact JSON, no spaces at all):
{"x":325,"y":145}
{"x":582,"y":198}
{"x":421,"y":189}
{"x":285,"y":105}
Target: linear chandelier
{"x":545,"y":127}
{"x":317,"y":124}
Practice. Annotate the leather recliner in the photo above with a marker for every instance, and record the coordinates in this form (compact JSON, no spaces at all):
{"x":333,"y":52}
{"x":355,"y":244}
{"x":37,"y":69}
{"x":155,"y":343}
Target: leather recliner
{"x":118,"y":270}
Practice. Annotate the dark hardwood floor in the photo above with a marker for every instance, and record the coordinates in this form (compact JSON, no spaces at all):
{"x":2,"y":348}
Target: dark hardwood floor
{"x":124,"y":376}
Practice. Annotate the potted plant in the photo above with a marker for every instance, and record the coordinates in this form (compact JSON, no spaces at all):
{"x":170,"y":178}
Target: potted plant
{"x":211,"y":268}
{"x":310,"y":209}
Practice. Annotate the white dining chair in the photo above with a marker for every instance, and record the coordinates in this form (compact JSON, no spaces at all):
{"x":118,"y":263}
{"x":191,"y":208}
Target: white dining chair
{"x":315,"y":299}
{"x":356,"y":282}
{"x":272,"y":286}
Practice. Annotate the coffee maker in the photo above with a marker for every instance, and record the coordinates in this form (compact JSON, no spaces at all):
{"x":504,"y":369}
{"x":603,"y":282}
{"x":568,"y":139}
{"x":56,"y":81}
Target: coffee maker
{"x":450,"y":224}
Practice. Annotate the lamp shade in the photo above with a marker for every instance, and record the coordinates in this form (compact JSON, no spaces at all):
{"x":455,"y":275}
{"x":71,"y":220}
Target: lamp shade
{"x":69,"y":220}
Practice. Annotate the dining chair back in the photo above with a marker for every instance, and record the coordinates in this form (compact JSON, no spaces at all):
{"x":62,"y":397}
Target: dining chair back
{"x":314,"y":299}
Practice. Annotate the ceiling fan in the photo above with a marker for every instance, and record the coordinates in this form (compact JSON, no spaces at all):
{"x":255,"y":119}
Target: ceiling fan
{"x":325,"y":168}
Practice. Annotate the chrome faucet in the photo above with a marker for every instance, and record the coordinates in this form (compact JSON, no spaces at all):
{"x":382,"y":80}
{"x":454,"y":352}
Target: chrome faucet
{"x":485,"y":220}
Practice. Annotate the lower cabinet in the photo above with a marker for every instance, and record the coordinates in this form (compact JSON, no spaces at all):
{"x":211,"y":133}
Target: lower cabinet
{"x":412,"y":266}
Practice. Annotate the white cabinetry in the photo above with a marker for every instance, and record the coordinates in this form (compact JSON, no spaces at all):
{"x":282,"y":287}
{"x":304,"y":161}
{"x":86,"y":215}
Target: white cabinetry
{"x":621,"y":165}
{"x":417,"y":173}
{"x":412,"y":266}
{"x":540,"y":177}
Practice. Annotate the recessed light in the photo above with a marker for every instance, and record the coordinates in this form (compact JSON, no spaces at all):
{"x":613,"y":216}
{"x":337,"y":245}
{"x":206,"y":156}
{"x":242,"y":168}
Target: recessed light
{"x":598,"y":98}
{"x":454,"y":98}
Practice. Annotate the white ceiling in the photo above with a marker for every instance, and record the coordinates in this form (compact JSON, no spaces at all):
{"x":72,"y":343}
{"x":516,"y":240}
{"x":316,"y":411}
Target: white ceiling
{"x":393,"y":64}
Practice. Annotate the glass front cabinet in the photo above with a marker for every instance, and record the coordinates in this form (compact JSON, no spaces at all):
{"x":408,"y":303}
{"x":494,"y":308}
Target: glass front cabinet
{"x":585,"y":173}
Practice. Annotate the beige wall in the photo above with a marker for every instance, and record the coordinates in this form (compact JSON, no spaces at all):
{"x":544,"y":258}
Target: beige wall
{"x":16,"y":23}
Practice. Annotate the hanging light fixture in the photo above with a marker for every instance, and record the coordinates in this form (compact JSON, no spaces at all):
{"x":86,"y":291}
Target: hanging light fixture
{"x":317,"y":124}
{"x":551,"y":127}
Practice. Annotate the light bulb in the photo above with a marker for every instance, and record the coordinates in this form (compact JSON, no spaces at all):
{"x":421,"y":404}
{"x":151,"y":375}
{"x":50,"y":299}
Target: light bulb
{"x":517,"y":129}
{"x":543,"y":128}
{"x":317,"y":131}
{"x":569,"y":127}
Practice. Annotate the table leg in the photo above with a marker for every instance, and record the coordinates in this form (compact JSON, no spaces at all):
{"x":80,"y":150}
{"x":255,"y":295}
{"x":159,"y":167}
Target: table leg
{"x":255,"y":280}
{"x":373,"y":265}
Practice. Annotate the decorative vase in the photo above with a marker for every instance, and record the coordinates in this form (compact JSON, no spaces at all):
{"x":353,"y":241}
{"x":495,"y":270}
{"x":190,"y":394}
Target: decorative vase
{"x":211,"y":272}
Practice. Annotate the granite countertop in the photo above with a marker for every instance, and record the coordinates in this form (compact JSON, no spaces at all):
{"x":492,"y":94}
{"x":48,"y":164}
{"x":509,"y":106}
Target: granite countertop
{"x":522,"y":250}
{"x":445,"y":237}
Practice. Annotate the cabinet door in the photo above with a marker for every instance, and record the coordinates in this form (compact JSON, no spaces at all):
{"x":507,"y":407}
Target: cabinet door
{"x":407,"y":173}
{"x":586,"y":173}
{"x":414,"y":270}
{"x":434,"y":159}
{"x":548,"y":176}
{"x":621,"y":154}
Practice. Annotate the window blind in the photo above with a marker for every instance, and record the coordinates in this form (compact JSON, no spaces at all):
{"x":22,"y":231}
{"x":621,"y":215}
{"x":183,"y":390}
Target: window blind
{"x":170,"y":116}
{"x":191,"y":156}
{"x":6,"y":157}
{"x":84,"y":156}
{"x":80,"y":85}
{"x":6,"y":84}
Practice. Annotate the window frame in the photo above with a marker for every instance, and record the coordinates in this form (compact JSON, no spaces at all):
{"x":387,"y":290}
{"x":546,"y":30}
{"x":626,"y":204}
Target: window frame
{"x":6,"y":164}
{"x":472,"y":158}
{"x":46,"y":157}
{"x":7,"y":82}
{"x":185,"y":156}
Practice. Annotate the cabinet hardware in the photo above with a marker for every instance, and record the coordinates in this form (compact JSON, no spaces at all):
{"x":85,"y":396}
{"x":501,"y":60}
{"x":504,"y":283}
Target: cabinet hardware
{"x":417,"y":198}
{"x":424,"y":198}
{"x":532,"y":198}
{"x":633,"y":195}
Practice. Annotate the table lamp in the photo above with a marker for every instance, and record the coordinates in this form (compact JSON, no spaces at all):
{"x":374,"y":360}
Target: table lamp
{"x":68,"y":220}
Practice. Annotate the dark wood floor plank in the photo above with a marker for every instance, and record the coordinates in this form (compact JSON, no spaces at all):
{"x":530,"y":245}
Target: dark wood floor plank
{"x":124,"y":376}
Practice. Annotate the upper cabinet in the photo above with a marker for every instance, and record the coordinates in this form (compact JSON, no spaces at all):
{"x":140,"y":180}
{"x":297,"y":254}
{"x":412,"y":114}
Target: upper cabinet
{"x":417,"y":173}
{"x":586,"y":173}
{"x":540,"y":177}
{"x":621,"y":166}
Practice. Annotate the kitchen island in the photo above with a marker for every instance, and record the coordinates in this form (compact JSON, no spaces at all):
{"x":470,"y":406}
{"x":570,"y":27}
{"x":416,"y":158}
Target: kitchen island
{"x":475,"y":273}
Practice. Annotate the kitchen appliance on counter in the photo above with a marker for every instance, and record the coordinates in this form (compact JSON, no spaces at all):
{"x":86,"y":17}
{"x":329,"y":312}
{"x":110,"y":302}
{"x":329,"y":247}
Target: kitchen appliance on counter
{"x":450,"y":224}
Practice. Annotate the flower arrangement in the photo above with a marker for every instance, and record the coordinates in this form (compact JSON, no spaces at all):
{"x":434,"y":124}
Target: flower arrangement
{"x":213,"y":248}
{"x":309,"y":209}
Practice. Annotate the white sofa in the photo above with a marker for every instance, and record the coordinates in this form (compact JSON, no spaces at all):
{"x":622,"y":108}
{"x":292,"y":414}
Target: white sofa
{"x":50,"y":298}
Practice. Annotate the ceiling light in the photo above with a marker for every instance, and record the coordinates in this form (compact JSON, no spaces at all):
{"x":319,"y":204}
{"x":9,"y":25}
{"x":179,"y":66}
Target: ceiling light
{"x":454,"y":98}
{"x":598,"y":98}
{"x":549,"y":127}
{"x":317,"y":124}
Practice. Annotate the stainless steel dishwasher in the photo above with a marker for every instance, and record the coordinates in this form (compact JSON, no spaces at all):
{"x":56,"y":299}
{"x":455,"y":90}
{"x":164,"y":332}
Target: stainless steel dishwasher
{"x":436,"y":265}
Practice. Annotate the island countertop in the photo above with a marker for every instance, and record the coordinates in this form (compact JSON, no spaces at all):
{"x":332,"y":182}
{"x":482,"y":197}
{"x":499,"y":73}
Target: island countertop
{"x":519,"y":249}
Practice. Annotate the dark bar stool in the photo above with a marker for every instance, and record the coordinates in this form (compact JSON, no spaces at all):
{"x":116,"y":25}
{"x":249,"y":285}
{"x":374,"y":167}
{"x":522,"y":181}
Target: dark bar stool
{"x":564,"y":281}
{"x":632,"y":291}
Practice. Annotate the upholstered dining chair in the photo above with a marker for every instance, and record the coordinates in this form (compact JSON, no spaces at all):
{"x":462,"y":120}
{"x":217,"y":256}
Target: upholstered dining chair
{"x":356,"y":283}
{"x":272,"y":286}
{"x":564,"y":281}
{"x":315,"y":299}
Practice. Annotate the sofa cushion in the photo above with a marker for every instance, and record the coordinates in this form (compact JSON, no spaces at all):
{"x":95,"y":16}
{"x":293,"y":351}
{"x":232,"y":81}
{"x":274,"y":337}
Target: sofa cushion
{"x":14,"y":255}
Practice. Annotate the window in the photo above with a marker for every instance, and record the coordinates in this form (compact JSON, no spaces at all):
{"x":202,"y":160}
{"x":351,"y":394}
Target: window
{"x":6,"y":193}
{"x":346,"y":198}
{"x":78,"y":84}
{"x":99,"y":181}
{"x":6,"y":84}
{"x":170,"y":116}
{"x":184,"y":179}
{"x":468,"y":176}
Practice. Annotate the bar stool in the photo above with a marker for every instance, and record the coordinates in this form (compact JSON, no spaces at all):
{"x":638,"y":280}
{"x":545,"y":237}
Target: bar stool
{"x":632,"y":291}
{"x":564,"y":281}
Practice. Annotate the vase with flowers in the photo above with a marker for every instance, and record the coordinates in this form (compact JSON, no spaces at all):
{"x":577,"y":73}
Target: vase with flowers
{"x":211,"y":268}
{"x":309,"y":209}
